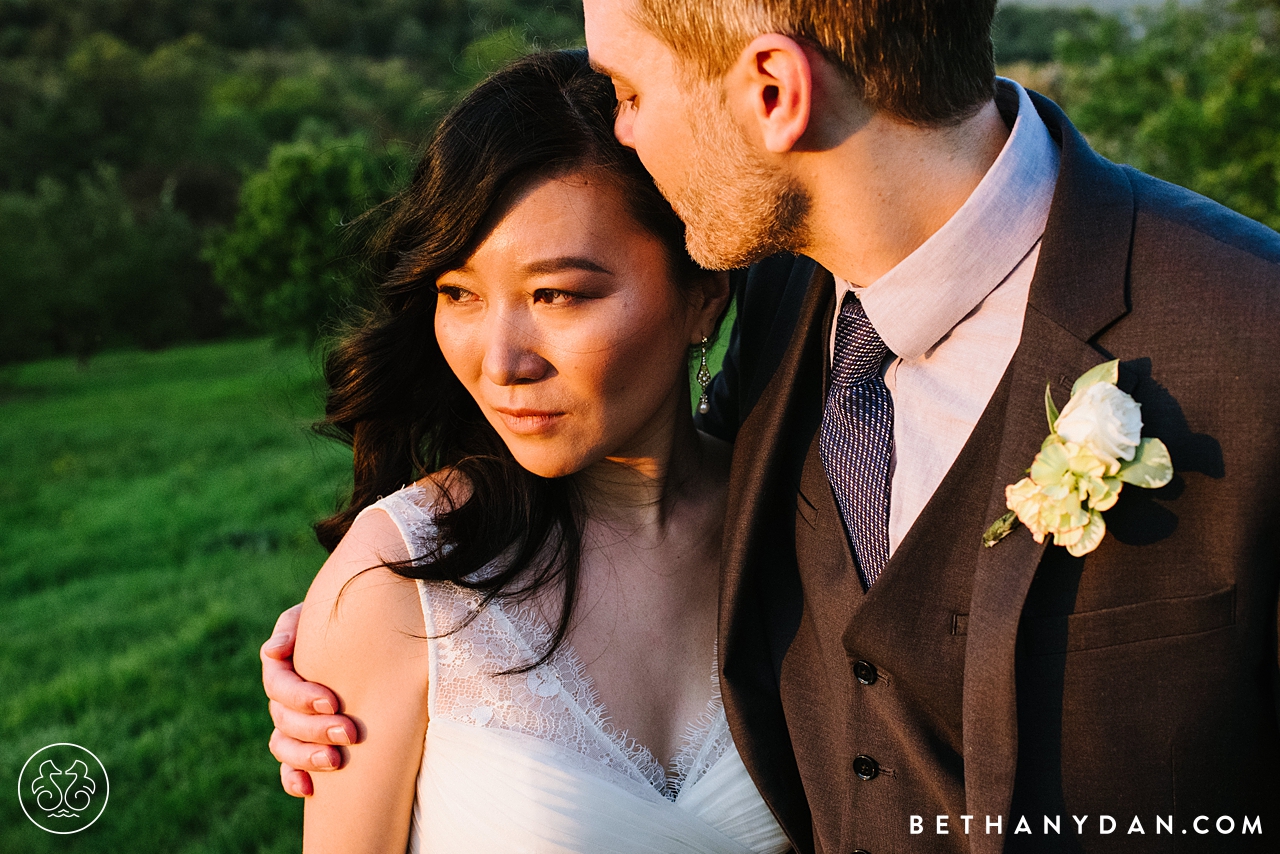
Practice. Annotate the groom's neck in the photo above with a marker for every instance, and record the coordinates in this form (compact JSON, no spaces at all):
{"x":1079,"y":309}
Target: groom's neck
{"x":888,"y":186}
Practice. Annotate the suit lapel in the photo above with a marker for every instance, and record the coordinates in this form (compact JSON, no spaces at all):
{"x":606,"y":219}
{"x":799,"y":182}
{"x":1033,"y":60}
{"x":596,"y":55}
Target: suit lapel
{"x":1079,"y":289}
{"x":760,"y":596}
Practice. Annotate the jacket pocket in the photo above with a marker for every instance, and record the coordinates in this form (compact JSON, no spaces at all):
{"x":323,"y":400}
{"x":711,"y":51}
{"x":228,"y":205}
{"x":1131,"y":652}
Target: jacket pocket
{"x":1160,"y":618}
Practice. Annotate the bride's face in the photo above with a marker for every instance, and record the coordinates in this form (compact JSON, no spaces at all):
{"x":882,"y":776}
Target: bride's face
{"x":567,"y":329}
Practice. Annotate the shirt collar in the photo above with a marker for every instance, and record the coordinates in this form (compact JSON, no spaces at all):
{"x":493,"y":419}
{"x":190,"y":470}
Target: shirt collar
{"x":921,"y":299}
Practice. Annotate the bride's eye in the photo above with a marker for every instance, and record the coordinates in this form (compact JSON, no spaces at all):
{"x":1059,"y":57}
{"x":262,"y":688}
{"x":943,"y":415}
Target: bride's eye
{"x":551,"y":296}
{"x":453,"y":293}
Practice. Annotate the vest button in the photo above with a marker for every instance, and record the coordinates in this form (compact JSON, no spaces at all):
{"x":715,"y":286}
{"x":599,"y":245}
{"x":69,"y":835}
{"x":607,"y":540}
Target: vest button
{"x":865,"y":672}
{"x":861,"y":851}
{"x":865,"y":767}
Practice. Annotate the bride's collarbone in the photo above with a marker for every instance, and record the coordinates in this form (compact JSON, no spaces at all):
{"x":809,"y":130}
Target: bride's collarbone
{"x":647,"y":641}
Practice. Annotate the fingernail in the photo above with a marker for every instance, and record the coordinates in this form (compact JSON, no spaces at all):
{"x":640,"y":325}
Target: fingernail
{"x":324,"y":707}
{"x":278,"y":641}
{"x":321,"y":759}
{"x":338,"y":735}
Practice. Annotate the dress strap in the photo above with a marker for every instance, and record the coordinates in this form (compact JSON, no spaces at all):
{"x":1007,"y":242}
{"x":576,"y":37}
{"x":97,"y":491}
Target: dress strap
{"x":410,"y":509}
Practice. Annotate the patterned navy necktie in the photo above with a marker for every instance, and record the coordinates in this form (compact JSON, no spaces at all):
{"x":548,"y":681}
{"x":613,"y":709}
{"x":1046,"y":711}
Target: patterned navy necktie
{"x":857,"y":438}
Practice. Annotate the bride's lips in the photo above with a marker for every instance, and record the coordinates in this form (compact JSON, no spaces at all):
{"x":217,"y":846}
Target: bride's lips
{"x":527,"y":422}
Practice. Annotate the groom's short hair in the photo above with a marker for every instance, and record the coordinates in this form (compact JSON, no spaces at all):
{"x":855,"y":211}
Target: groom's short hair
{"x":928,"y":62}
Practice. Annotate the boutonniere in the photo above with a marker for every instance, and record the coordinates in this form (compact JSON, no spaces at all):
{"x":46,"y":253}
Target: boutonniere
{"x":1094,"y":448}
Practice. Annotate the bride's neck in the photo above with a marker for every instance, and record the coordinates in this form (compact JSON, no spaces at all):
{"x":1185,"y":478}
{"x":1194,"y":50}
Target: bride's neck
{"x":644,"y":487}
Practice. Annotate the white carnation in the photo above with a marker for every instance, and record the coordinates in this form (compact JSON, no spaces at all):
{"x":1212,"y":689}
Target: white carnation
{"x":1104,"y":420}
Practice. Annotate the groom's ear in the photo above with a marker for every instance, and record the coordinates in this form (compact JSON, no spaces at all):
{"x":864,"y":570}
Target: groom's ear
{"x":772,"y":85}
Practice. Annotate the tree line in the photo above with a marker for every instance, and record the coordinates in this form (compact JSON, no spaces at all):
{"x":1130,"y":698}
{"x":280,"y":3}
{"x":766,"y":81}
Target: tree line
{"x":143,"y":144}
{"x":174,"y":170}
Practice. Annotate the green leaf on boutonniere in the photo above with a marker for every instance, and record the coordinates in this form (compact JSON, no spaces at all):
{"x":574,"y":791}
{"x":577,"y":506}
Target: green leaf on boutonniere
{"x":1151,"y":466}
{"x":1000,"y":529}
{"x":1107,"y":372}
{"x":1049,"y":409}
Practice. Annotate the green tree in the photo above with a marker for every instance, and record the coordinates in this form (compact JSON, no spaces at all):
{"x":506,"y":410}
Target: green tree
{"x":1028,"y":34}
{"x":1189,"y":94}
{"x":128,"y":129}
{"x":432,"y":32}
{"x":287,"y":262}
{"x":104,"y":103}
{"x":83,"y":271}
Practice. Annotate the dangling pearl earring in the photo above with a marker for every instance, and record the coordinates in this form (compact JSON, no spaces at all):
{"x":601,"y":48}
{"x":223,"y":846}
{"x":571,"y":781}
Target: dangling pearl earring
{"x":704,"y":380}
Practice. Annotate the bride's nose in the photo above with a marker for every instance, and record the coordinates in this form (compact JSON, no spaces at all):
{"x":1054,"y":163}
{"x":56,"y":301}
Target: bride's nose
{"x":512,"y":352}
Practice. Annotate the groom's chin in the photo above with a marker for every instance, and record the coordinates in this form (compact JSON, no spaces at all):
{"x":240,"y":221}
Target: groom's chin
{"x":732,"y":252}
{"x":730,"y":243}
{"x":716,"y":255}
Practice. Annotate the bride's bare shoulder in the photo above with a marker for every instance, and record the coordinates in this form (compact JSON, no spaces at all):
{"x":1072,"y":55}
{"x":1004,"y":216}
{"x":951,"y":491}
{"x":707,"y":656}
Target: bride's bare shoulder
{"x":362,"y":634}
{"x":359,"y":615}
{"x":355,"y":601}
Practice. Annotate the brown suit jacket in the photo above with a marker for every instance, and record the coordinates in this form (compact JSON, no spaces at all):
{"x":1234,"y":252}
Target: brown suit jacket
{"x":1139,"y":681}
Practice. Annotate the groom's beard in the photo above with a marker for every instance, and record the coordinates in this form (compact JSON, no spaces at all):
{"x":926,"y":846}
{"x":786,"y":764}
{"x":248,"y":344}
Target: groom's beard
{"x":736,"y":208}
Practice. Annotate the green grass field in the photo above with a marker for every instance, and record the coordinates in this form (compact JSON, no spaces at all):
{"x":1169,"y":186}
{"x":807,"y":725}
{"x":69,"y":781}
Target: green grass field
{"x":154,"y":513}
{"x":154,"y":521}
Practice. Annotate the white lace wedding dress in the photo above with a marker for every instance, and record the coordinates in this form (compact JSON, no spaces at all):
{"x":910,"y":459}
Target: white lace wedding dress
{"x":530,"y":762}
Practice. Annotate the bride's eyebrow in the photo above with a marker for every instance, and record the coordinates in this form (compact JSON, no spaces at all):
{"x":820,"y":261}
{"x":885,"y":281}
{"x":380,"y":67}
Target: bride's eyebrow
{"x":562,"y":263}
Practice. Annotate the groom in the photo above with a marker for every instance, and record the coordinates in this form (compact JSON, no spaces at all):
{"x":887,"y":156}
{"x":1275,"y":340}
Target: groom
{"x":952,"y":245}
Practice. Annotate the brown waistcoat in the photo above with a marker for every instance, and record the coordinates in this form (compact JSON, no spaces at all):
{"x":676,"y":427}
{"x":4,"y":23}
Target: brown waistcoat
{"x":895,"y":683}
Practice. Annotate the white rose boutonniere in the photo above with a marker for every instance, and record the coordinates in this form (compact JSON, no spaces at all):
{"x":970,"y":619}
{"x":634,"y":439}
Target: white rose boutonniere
{"x":1093,"y":449}
{"x":1104,"y":420}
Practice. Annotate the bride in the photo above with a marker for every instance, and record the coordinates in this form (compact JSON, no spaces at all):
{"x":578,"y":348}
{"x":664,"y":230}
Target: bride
{"x":525,"y":635}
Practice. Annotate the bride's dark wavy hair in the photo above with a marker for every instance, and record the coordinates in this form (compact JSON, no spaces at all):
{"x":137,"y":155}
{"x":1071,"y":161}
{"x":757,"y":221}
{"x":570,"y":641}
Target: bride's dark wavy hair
{"x":391,"y":395}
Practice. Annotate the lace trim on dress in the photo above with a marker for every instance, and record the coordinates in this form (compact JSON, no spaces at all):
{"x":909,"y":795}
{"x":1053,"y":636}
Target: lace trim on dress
{"x":706,"y":738}
{"x":557,"y":701}
{"x":704,"y":741}
{"x":416,"y":523}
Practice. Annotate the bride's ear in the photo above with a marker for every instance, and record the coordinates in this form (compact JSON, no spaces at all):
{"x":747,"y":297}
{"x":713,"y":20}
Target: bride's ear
{"x":715,"y":294}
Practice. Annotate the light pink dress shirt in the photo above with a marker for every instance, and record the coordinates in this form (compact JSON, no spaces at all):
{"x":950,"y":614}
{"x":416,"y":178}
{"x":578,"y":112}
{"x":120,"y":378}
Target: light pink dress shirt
{"x":951,"y":313}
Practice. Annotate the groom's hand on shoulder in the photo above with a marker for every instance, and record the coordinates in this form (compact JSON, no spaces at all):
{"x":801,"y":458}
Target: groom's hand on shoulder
{"x":304,"y":713}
